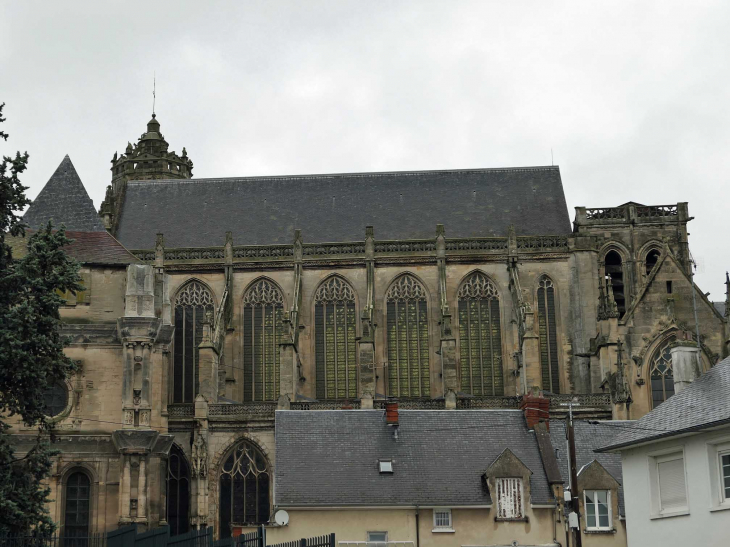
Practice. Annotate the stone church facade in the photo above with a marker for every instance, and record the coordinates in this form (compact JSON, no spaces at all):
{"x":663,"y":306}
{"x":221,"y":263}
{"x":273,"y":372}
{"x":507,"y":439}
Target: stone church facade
{"x":211,"y":303}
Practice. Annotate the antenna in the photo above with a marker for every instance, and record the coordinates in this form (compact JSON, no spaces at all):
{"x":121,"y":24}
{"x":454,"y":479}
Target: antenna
{"x":154,"y":88}
{"x":552,"y":161}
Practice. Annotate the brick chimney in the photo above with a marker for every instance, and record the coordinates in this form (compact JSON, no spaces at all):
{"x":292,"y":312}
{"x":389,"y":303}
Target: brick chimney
{"x":536,"y":409}
{"x":391,"y":412}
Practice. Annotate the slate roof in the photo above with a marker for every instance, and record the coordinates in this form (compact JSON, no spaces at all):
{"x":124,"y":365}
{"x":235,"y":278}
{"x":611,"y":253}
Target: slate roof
{"x":89,"y":248}
{"x":720,"y":307}
{"x":589,"y":437}
{"x":703,"y":404}
{"x":338,"y":207}
{"x":65,"y":201}
{"x":330,"y":458}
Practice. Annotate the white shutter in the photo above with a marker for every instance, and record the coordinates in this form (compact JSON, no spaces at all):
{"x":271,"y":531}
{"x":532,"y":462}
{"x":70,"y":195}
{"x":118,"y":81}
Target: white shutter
{"x":672,"y":490}
{"x":509,"y":498}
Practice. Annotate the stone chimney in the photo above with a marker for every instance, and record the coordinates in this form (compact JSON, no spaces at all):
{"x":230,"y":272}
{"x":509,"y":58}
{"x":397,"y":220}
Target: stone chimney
{"x":685,"y":362}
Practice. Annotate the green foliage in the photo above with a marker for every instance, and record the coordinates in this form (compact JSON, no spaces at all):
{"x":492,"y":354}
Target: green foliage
{"x":31,"y":350}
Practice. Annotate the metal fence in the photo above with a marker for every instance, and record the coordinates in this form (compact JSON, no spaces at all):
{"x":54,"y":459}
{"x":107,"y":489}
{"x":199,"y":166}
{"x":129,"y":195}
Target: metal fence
{"x":318,"y":541}
{"x":93,"y":540}
{"x":127,"y":536}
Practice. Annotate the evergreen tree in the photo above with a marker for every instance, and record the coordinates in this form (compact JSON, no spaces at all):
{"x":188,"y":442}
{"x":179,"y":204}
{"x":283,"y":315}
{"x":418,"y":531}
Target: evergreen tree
{"x":31,"y":350}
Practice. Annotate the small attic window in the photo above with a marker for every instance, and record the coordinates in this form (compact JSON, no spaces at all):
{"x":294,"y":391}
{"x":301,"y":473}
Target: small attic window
{"x":385,"y":466}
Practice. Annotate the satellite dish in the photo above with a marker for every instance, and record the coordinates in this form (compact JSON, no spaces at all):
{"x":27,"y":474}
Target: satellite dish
{"x":281,"y":517}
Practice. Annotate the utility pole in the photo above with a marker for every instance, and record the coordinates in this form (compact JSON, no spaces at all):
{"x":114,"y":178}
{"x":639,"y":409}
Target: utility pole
{"x":573,"y":522}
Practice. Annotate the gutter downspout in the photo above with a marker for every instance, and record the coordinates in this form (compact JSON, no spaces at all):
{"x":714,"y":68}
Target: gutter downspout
{"x":418,"y":539}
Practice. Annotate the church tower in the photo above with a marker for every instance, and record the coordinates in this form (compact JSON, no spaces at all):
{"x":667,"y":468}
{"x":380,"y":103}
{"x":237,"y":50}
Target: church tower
{"x":148,"y":159}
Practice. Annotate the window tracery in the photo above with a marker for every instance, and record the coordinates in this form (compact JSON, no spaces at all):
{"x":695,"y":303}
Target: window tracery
{"x":192,"y":303}
{"x":335,"y":348}
{"x":263,"y":331}
{"x":548,"y":334}
{"x":244,"y":489}
{"x":661,"y":372}
{"x":480,"y":336}
{"x":408,"y":341}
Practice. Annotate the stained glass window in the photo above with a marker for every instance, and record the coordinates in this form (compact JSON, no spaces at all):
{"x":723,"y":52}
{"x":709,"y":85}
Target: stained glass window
{"x":548,"y":333}
{"x":178,"y":492}
{"x":191,"y":305}
{"x":78,"y":493}
{"x":263,"y":331}
{"x":480,"y":337}
{"x":661,"y":373}
{"x":244,"y":489}
{"x":408,"y":351}
{"x":334,"y":338}
{"x":55,"y":399}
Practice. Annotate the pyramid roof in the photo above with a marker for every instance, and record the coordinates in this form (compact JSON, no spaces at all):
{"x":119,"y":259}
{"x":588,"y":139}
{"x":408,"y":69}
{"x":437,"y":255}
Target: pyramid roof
{"x":64,"y":200}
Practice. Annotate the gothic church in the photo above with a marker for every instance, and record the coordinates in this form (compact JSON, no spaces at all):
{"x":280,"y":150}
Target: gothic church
{"x":210,"y":304}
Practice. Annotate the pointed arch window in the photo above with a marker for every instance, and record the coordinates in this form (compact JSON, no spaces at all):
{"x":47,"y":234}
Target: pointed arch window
{"x":334,"y":340}
{"x":408,"y":351}
{"x":661,"y":373}
{"x":263,"y":331}
{"x":652,"y":257}
{"x":613,"y":265}
{"x":244,"y":489}
{"x":191,"y":305}
{"x":178,"y":492}
{"x":548,"y":333}
{"x":480,"y":337}
{"x":76,"y":511}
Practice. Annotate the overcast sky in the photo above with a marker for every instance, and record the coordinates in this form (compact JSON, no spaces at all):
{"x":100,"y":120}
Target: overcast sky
{"x":632,"y":97}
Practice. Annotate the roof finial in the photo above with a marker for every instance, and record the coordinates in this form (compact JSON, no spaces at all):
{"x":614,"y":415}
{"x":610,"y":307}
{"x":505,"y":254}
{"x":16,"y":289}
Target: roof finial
{"x":154,"y":88}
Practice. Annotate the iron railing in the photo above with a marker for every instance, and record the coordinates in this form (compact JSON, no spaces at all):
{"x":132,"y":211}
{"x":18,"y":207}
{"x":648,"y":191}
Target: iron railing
{"x":91,"y":540}
{"x":318,"y":541}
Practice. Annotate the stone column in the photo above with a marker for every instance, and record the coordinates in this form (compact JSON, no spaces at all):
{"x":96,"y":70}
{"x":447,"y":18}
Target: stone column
{"x":685,"y":364}
{"x":142,"y":489}
{"x":127,"y":386}
{"x":448,"y":359}
{"x":289,"y":378}
{"x":366,"y":350}
{"x":531,"y":353}
{"x":146,"y":357}
{"x":125,"y":490}
{"x":208,"y":365}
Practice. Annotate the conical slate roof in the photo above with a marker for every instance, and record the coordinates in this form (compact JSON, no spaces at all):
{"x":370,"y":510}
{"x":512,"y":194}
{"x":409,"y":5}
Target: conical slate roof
{"x":64,"y":201}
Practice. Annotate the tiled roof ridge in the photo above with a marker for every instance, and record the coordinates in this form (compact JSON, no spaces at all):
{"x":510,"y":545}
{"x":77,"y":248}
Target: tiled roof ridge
{"x":364,"y":174}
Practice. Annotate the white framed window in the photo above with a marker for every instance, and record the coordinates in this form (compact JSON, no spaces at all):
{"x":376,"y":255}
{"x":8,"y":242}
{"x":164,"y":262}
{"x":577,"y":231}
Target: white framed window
{"x":724,"y":462}
{"x":718,"y":452}
{"x":377,"y":539}
{"x":669,"y":488}
{"x":510,"y":503}
{"x":597,"y":504}
{"x":385,"y":466}
{"x":442,"y":520}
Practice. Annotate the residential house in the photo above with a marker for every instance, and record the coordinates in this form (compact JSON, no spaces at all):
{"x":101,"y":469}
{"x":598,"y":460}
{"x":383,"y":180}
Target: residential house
{"x":676,"y":466}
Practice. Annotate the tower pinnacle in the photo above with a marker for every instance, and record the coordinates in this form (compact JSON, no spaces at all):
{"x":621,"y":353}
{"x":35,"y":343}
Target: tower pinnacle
{"x":148,"y":159}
